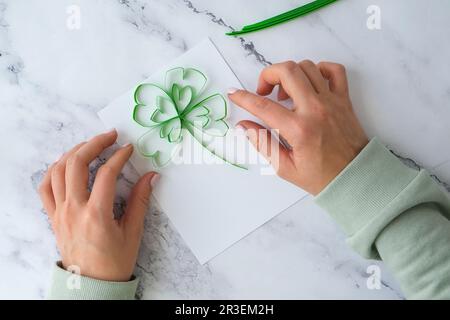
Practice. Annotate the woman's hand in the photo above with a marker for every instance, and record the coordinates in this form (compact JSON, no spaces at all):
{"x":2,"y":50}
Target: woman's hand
{"x":322,"y":129}
{"x":87,"y":234}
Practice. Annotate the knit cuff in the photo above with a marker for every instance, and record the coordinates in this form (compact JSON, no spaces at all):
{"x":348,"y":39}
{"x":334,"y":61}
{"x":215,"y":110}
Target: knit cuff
{"x":70,"y":286}
{"x":365,"y":187}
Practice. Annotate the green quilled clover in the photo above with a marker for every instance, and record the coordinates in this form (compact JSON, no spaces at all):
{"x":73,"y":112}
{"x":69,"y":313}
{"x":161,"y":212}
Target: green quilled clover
{"x":177,"y":108}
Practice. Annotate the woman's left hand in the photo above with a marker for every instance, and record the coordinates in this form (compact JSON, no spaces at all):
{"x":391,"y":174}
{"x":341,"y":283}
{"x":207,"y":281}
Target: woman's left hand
{"x":87,"y":235}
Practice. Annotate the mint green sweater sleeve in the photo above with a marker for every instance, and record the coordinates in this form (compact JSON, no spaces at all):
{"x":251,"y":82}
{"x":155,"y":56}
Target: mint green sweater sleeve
{"x":68,"y":286}
{"x":394,"y":213}
{"x":388,"y":211}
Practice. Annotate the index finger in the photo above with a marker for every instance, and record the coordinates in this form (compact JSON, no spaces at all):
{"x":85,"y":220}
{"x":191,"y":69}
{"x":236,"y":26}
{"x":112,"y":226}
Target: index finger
{"x":77,"y":172}
{"x":290,"y":76}
{"x":95,"y":146}
{"x":273,"y":114}
{"x":104,"y":188}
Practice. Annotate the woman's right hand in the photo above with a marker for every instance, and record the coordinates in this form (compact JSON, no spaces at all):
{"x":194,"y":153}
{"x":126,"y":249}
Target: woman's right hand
{"x":321,"y":129}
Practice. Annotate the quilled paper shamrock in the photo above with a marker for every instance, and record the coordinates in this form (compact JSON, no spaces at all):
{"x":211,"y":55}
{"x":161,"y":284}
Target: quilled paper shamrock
{"x":177,"y":108}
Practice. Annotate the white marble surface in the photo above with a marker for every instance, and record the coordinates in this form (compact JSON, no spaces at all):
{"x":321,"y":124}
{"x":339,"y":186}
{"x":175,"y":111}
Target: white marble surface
{"x":53,"y":81}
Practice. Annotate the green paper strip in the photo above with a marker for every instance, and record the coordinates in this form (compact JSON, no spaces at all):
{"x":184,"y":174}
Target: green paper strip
{"x":191,"y":131}
{"x":294,"y":13}
{"x":284,"y":17}
{"x":167,"y":111}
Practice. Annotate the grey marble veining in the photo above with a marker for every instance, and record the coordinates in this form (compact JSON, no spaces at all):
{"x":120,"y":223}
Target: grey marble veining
{"x":53,"y":80}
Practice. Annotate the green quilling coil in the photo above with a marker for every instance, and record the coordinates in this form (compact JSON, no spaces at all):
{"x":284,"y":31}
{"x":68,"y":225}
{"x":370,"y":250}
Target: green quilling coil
{"x":179,"y":105}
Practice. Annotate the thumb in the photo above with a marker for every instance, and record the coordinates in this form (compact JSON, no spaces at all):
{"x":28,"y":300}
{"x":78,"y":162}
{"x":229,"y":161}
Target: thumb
{"x":261,"y":138}
{"x":270,"y":112}
{"x":138,"y":202}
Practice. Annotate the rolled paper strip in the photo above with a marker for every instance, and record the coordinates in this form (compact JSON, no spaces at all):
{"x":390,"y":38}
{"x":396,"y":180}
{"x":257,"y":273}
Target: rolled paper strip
{"x":146,"y":98}
{"x":219,"y":129}
{"x":151,"y":146}
{"x":297,"y":12}
{"x":166,"y":112}
{"x":190,"y":78}
{"x":182,"y":96}
{"x":284,"y":17}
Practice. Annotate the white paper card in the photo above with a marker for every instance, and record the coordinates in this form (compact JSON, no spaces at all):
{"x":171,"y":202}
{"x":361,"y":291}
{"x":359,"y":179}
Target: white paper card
{"x":211,"y":205}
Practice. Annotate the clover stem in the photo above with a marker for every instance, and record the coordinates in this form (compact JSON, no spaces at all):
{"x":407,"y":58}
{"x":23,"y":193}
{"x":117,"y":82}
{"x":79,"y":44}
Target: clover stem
{"x":204,"y":145}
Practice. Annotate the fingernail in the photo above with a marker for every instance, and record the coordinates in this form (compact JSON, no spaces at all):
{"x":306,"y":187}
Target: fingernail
{"x":126,"y":145}
{"x":232,"y":90}
{"x":154,"y":180}
{"x":240,"y":127}
{"x":112,"y":131}
{"x":58,"y":158}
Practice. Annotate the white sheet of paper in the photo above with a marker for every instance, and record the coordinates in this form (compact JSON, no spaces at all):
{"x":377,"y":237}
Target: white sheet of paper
{"x":211,"y":205}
